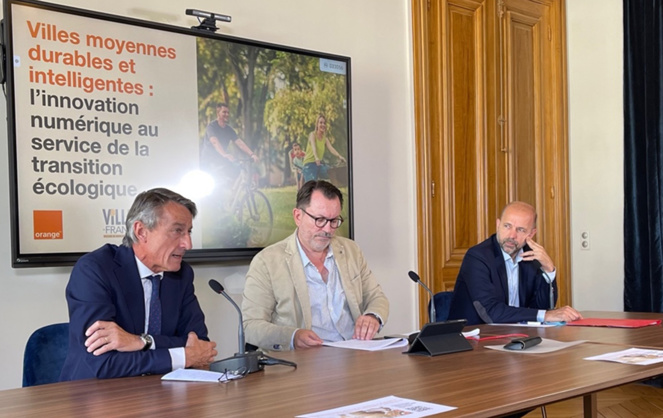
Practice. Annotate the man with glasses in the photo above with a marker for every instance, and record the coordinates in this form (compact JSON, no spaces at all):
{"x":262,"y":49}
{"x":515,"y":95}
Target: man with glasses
{"x":509,"y":278}
{"x":312,"y":287}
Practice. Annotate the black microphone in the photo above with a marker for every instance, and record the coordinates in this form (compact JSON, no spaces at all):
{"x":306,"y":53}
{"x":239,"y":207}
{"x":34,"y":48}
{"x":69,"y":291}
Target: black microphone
{"x":537,"y":265}
{"x":552,"y":291}
{"x":415,"y":278}
{"x":242,"y":362}
{"x":218,"y":288}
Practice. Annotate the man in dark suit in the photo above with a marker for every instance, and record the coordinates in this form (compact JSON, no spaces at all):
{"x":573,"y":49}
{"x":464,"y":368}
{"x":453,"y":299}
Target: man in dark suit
{"x":502,"y":280}
{"x":118,"y":326}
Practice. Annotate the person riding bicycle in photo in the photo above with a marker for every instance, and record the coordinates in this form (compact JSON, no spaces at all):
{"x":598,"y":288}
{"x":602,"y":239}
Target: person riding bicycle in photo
{"x":237,"y":215}
{"x":318,"y":141}
{"x":215,"y":155}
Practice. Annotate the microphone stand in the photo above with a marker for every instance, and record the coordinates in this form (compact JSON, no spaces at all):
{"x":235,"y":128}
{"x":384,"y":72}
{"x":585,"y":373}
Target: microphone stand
{"x":242,"y":362}
{"x":431,"y":315}
{"x":552,"y":292}
{"x":550,"y":284}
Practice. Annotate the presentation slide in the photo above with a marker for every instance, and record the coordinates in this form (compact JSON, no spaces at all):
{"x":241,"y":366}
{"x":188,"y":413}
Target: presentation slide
{"x":102,"y":108}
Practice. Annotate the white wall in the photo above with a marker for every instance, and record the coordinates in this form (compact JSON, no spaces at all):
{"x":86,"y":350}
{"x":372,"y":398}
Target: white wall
{"x":376,"y":35}
{"x":596,"y":132}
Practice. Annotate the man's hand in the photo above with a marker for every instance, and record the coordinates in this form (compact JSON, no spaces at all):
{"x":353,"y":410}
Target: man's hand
{"x":105,"y":336}
{"x":565,"y":314}
{"x":366,"y":327}
{"x":539,"y":253}
{"x":198,"y":353}
{"x":305,"y":338}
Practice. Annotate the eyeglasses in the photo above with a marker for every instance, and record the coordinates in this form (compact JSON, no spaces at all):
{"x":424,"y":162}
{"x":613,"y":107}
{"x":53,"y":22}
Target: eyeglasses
{"x":321,"y":221}
{"x":229,"y":375}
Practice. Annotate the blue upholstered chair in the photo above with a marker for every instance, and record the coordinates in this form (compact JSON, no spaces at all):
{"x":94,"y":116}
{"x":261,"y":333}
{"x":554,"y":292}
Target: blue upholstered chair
{"x":44,"y":355}
{"x":442,"y":305}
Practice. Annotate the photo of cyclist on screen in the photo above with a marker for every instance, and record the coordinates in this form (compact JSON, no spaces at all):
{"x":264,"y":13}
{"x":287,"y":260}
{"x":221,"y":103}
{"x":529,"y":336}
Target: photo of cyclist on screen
{"x":214,"y":153}
{"x":318,"y":141}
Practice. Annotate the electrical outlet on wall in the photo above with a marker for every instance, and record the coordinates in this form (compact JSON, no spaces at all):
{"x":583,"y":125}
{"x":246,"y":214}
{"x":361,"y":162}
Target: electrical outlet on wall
{"x":584,"y":241}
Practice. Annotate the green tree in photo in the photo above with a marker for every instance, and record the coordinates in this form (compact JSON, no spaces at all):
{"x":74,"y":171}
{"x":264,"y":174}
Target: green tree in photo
{"x":274,"y":98}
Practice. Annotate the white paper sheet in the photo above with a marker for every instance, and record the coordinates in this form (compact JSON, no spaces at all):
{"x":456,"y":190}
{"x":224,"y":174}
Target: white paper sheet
{"x":533,"y":324}
{"x":547,"y":346}
{"x":194,"y":375}
{"x":369,"y":345}
{"x":389,"y":406}
{"x":637,"y":356}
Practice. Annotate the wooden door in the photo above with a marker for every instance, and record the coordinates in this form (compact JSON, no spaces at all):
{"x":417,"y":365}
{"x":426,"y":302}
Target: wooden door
{"x":491,"y":127}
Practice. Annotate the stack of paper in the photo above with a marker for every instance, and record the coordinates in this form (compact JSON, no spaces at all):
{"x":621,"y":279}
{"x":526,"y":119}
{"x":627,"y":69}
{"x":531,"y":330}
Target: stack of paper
{"x":194,"y":375}
{"x":369,"y":345}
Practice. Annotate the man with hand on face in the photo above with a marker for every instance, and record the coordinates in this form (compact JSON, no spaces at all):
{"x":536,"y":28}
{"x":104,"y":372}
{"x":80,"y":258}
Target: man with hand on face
{"x":312,"y":287}
{"x":132,"y":308}
{"x":502,"y":280}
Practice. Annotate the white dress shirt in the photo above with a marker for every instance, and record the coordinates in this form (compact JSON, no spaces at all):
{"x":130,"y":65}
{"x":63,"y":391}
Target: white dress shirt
{"x":177,"y":354}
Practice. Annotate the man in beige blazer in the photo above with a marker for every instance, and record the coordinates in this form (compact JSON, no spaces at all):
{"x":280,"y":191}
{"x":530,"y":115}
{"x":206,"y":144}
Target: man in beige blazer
{"x":312,"y":286}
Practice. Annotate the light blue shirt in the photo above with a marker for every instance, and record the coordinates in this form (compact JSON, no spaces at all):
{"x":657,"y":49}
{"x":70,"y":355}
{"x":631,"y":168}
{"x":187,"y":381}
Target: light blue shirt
{"x":331,"y":319}
{"x":177,"y":355}
{"x":513,"y":278}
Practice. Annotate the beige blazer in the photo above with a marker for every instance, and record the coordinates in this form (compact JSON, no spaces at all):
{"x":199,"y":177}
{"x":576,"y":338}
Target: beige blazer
{"x":276,"y":300}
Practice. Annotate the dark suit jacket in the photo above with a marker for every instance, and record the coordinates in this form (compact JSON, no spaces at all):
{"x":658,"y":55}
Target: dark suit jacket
{"x":105,"y":285}
{"x":482,"y":278}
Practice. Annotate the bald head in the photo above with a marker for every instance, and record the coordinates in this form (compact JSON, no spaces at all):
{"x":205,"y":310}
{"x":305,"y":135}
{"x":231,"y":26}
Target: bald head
{"x":516,"y":224}
{"x":523,"y":207}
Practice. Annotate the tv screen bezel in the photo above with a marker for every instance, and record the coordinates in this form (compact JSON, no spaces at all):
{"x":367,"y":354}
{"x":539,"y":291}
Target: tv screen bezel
{"x":198,"y":256}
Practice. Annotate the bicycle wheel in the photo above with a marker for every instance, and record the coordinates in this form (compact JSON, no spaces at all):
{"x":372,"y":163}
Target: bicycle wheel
{"x":256,"y":213}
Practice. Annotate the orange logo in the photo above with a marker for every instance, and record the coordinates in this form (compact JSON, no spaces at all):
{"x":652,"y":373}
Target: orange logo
{"x":47,"y":224}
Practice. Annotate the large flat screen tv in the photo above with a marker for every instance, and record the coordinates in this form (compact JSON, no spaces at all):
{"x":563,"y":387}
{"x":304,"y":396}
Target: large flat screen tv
{"x":102,"y":107}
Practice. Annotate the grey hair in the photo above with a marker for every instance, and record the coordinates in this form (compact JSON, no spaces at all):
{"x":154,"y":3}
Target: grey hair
{"x":147,"y":208}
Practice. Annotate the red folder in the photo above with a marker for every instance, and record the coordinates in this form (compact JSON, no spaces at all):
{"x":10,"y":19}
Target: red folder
{"x":615,"y":323}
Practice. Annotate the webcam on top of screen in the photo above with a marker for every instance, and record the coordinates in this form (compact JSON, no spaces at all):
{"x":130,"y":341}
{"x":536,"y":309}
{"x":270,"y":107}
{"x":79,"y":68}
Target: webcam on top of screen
{"x":207,"y":20}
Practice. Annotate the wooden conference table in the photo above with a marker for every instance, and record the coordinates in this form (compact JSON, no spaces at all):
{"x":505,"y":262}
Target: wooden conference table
{"x":480,"y":383}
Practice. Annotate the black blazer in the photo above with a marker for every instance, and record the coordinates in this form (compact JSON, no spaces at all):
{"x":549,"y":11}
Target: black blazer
{"x":482,"y":278}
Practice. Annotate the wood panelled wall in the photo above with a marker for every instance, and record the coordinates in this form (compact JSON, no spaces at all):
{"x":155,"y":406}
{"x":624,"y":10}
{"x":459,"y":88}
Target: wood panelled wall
{"x":491,"y":127}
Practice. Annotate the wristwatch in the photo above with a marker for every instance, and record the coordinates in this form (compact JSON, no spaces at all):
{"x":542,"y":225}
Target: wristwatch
{"x":147,"y":340}
{"x":376,"y":317}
